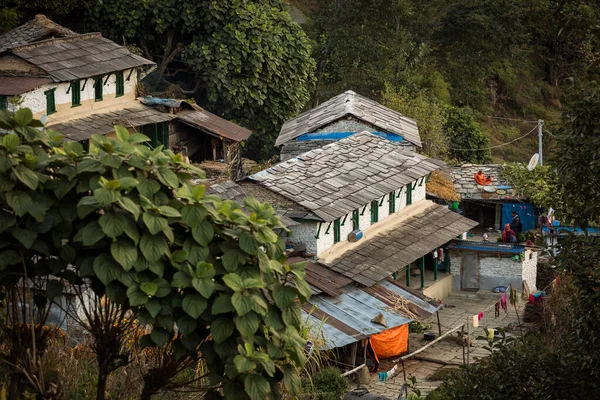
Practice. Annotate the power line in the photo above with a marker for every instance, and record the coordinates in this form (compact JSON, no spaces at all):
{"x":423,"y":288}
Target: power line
{"x":499,"y":145}
{"x":514,"y":119}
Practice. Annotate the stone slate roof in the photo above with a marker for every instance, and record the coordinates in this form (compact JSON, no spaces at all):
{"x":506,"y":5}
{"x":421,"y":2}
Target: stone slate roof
{"x":202,"y":119}
{"x":350,"y":103}
{"x":134,"y":115}
{"x":32,"y":31}
{"x":467,"y":188}
{"x":336,"y":179}
{"x":295,"y":148}
{"x":79,"y":56}
{"x":282,"y":205}
{"x":378,"y":257}
{"x":14,"y":85}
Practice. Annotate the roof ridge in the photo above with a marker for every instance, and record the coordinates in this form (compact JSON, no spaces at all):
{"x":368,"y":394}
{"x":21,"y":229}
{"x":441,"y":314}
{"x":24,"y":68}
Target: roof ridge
{"x":51,"y":41}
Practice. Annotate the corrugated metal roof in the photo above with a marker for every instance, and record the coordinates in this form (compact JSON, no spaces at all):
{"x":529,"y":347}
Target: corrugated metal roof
{"x":350,"y":103}
{"x":205,"y":120}
{"x":487,"y":247}
{"x":36,"y":29}
{"x":357,"y":170}
{"x":80,"y":56}
{"x":14,"y":85}
{"x":346,"y":318}
{"x":131,"y":116}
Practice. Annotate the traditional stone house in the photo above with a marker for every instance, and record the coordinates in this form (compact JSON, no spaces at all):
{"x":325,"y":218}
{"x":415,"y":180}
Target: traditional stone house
{"x":84,"y":84}
{"x":483,"y":266}
{"x":361,"y":206}
{"x":341,"y":116}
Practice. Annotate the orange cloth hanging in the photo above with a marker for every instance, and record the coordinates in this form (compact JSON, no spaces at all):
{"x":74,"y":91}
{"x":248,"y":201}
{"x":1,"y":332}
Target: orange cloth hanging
{"x":391,"y":342}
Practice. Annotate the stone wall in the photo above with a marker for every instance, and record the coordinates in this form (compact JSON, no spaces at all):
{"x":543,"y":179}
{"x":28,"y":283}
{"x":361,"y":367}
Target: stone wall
{"x":304,"y":235}
{"x":498,"y":270}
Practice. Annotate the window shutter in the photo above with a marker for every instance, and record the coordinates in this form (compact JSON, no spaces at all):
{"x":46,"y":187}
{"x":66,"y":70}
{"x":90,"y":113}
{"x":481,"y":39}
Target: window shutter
{"x":392,"y":201}
{"x":336,"y":230}
{"x":98,"y":89}
{"x":50,"y":102}
{"x":409,"y":191}
{"x":75,"y":94}
{"x":3,"y":102}
{"x":355,"y":220}
{"x":120,"y":84}
{"x":374,"y":211}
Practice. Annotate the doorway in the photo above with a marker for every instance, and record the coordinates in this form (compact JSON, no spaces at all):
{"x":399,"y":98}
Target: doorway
{"x":469,"y":271}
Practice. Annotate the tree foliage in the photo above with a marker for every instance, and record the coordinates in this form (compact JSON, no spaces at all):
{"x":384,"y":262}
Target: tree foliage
{"x":125,"y":220}
{"x":468,"y":141}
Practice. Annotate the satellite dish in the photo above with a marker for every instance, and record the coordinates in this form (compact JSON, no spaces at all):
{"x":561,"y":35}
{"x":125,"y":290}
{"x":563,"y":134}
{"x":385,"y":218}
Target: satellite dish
{"x":533,"y":162}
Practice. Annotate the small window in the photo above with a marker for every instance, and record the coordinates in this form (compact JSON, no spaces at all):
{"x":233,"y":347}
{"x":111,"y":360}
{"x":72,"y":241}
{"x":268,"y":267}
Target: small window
{"x":392,"y":202}
{"x":409,"y":191}
{"x":98,"y":89}
{"x":355,"y":220}
{"x":120,"y":84}
{"x":336,"y":230}
{"x":75,"y":93}
{"x":50,"y":102}
{"x":3,"y":102}
{"x":374,"y":211}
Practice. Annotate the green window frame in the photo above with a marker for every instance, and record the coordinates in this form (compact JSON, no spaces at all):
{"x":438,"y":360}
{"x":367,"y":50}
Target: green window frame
{"x":392,"y":202}
{"x":120,"y":84}
{"x":3,"y":102}
{"x":336,"y":230}
{"x":98,"y":89}
{"x":374,"y":211}
{"x":75,"y":93}
{"x":355,"y":219}
{"x":409,"y":190}
{"x":158,"y":134}
{"x":50,"y":101}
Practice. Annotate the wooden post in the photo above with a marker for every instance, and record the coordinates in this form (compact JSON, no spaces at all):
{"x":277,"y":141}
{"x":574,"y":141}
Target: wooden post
{"x":408,"y":275}
{"x":423,"y":272}
{"x":462,"y":339}
{"x":439,"y":324}
{"x":468,"y":342}
{"x":447,"y":261}
{"x":435,"y":268}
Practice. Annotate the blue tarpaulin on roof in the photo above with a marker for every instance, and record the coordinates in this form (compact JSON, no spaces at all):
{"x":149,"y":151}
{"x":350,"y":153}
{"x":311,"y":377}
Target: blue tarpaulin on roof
{"x":342,"y":135}
{"x":526,"y":213}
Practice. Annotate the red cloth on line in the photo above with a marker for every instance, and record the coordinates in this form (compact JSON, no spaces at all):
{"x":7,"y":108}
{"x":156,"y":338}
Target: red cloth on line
{"x":503,"y":302}
{"x":479,"y":316}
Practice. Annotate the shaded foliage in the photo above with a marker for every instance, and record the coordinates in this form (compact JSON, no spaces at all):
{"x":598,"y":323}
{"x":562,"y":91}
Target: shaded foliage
{"x":468,"y":141}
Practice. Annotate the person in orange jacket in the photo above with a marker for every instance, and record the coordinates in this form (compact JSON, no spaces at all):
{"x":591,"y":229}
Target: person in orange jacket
{"x":482,"y":179}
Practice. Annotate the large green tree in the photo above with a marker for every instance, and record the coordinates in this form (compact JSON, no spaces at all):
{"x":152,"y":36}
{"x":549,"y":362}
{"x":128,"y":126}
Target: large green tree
{"x":468,"y":141}
{"x":125,"y":222}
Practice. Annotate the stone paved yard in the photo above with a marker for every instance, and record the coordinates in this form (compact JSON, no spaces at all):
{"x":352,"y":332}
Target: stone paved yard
{"x":449,"y":349}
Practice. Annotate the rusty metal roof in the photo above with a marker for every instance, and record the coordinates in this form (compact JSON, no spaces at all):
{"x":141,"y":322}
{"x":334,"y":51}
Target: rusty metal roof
{"x":350,"y":103}
{"x":14,"y":85}
{"x":131,"y":116}
{"x":32,"y":31}
{"x":80,"y":56}
{"x":322,"y":279}
{"x":201,"y":119}
{"x":379,"y":256}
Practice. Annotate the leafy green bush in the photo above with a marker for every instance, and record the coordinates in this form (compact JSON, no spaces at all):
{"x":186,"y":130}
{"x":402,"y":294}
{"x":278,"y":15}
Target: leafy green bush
{"x":328,"y":384}
{"x":468,"y":141}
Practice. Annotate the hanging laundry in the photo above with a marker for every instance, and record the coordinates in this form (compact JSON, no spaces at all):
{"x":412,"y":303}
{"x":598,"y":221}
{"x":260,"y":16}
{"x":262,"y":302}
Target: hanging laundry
{"x":475,"y":321}
{"x":497,"y":309}
{"x":479,"y":316}
{"x":513,"y":296}
{"x":503,"y":302}
{"x":490,"y":334}
{"x":531,"y":298}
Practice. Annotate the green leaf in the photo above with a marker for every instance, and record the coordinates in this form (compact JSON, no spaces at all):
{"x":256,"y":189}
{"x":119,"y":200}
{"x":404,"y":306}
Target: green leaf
{"x":243,"y":304}
{"x":89,"y":165}
{"x":291,"y":380}
{"x":122,"y":133}
{"x":257,"y":387}
{"x":125,"y":253}
{"x":25,"y":236}
{"x":283,"y":296}
{"x":149,"y":288}
{"x":27,"y":176}
{"x":129,"y":205}
{"x":292,"y":316}
{"x":19,"y":201}
{"x":23,"y":116}
{"x":153,"y":247}
{"x":136,"y":296}
{"x":186,"y":325}
{"x":222,"y":304}
{"x":160,"y":336}
{"x":112,"y":224}
{"x":154,"y":222}
{"x":205,"y":270}
{"x":221,"y":329}
{"x":73,"y":148}
{"x":111,"y":160}
{"x":234,"y":281}
{"x":247,"y":324}
{"x":181,"y":280}
{"x":115,"y":291}
{"x":248,"y":243}
{"x":153,"y":306}
{"x":6,"y":184}
{"x":204,"y":286}
{"x":273,"y":319}
{"x":232,"y":258}
{"x":243,"y":364}
{"x":193,"y":215}
{"x":194,"y":305}
{"x":10,"y":141}
{"x":164,"y":288}
{"x":180,"y":256}
{"x":204,"y":233}
{"x":105,"y":196}
{"x":54,"y":289}
{"x":106,"y":269}
{"x":198,"y":192}
{"x":147,"y":187}
{"x":266,"y":235}
{"x":167,"y":177}
{"x":196,"y":253}
{"x":304,"y":290}
{"x":169,"y":212}
{"x":9,"y":257}
{"x":91,"y":234}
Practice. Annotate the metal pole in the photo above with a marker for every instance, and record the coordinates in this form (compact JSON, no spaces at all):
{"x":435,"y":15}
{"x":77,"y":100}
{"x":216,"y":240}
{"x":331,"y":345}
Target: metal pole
{"x":540,"y":134}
